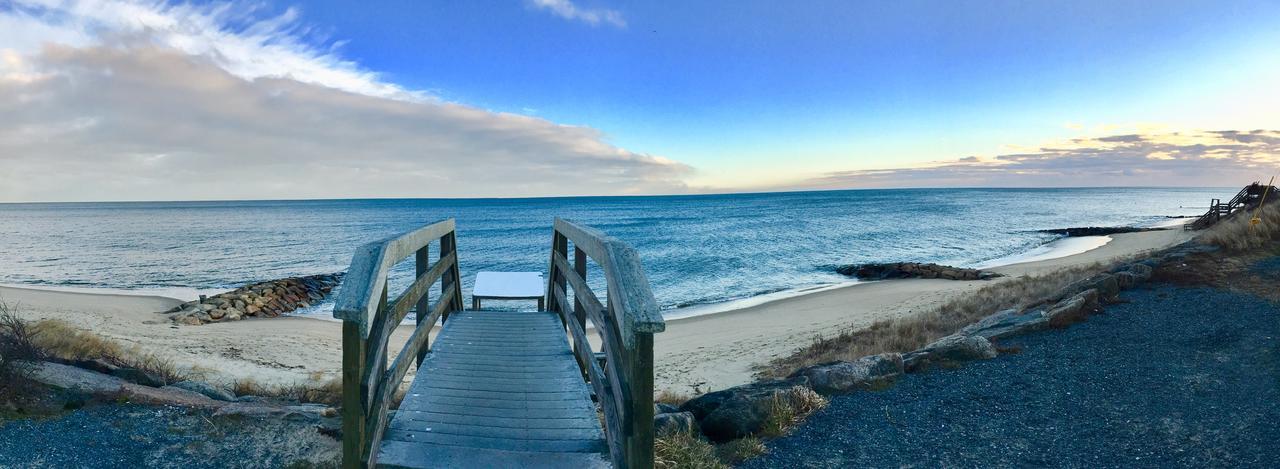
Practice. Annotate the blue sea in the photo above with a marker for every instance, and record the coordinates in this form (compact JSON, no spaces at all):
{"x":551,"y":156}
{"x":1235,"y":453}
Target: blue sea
{"x":697,"y":250}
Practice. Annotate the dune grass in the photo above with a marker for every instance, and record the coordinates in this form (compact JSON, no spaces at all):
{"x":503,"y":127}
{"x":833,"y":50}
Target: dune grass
{"x":60,"y":340}
{"x":685,"y":450}
{"x":910,"y":333}
{"x":315,"y":390}
{"x":1236,"y":233}
{"x":791,"y":407}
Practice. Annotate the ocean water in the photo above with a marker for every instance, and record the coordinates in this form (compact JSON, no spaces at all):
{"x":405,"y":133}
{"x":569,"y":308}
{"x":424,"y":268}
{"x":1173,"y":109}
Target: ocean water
{"x":696,"y":250}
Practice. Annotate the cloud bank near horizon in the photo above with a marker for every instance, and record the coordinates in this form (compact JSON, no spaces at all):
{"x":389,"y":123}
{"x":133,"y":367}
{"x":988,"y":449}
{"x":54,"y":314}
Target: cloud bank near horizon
{"x":117,"y":100}
{"x":1198,"y":158}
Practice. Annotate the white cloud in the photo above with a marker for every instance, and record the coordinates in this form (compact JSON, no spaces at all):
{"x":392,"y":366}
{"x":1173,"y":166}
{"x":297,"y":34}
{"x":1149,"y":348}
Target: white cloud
{"x":119,"y":100}
{"x":592,"y":16}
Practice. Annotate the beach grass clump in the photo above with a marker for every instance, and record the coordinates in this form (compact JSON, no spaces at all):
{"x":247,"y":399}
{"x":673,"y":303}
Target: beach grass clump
{"x":315,"y":390}
{"x":909,"y":333}
{"x":17,"y":344}
{"x":791,"y":407}
{"x":60,"y":340}
{"x":1237,"y":233}
{"x":742,"y":449}
{"x":684,"y":450}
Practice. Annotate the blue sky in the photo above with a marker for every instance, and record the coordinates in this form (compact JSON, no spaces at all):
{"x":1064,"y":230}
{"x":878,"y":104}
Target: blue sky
{"x":828,"y":84}
{"x":701,"y":96}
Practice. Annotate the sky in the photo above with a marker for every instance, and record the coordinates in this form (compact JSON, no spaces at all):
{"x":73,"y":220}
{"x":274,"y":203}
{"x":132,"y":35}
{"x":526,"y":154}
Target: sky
{"x":153,"y":100}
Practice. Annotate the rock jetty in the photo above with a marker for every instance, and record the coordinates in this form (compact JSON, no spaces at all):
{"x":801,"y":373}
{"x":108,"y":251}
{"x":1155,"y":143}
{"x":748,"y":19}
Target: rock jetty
{"x":265,"y":299}
{"x":912,"y":270}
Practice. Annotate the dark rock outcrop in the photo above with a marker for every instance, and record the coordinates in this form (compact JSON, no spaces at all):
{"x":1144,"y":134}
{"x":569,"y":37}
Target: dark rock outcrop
{"x":912,"y":270}
{"x":1098,"y":230}
{"x":950,"y":350}
{"x":738,"y":411}
{"x":1008,"y":323}
{"x":864,"y":373}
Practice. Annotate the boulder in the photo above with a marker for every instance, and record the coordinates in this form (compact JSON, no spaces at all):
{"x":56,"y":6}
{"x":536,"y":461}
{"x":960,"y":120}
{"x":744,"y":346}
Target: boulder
{"x":75,"y":379}
{"x":738,"y":411}
{"x":217,"y":314}
{"x":674,"y":422}
{"x":1007,"y":323}
{"x":1073,"y":310}
{"x":843,"y":377}
{"x":1107,"y":285}
{"x":949,"y":350}
{"x":206,"y":389}
{"x":136,"y":376}
{"x":189,"y":320}
{"x":661,"y":408}
{"x":1141,"y":271}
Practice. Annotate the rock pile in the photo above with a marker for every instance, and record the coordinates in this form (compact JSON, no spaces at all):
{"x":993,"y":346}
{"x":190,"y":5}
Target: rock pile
{"x":265,"y":299}
{"x":1098,"y":230}
{"x":912,"y":270}
{"x":743,"y":410}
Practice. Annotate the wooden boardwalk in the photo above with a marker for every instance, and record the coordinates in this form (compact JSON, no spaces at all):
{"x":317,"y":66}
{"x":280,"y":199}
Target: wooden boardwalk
{"x":500,"y":389}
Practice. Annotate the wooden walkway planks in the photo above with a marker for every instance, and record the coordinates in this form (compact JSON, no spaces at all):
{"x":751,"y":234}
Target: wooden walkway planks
{"x":499,"y":389}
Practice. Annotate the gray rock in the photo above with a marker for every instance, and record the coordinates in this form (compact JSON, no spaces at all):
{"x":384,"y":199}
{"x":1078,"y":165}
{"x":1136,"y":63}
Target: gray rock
{"x":738,"y":411}
{"x":1127,"y":279}
{"x":97,"y":364}
{"x":952,"y":349}
{"x":75,"y":379}
{"x":1074,"y":309}
{"x":674,"y":422}
{"x":206,"y":389}
{"x":1007,"y":323}
{"x":1107,"y":285}
{"x":302,"y":413}
{"x":1141,"y":271}
{"x":843,"y":377}
{"x":136,"y":376}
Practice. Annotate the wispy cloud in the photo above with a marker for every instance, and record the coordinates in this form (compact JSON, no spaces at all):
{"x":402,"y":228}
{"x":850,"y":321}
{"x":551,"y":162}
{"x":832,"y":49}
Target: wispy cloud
{"x":592,"y":16}
{"x":1225,"y":158}
{"x":143,"y":101}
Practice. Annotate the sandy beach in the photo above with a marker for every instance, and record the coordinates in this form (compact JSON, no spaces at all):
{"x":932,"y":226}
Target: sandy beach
{"x":707,"y":352}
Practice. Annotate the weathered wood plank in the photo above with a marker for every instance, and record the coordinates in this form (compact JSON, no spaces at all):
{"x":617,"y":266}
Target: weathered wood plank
{"x":499,"y":432}
{"x":420,"y":456}
{"x":559,"y":446}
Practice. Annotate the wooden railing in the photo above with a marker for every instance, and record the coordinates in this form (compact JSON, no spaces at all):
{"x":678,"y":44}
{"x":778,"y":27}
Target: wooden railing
{"x":621,"y":374}
{"x":368,"y":319}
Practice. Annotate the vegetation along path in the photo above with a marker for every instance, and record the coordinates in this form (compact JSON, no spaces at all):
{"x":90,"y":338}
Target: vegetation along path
{"x":1176,"y":377}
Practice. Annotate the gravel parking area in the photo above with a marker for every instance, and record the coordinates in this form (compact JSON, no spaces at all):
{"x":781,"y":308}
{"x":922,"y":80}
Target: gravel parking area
{"x":1177,"y":377}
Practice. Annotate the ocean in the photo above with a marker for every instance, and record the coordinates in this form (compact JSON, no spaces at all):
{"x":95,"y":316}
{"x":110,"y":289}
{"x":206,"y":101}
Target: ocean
{"x":696,"y":250}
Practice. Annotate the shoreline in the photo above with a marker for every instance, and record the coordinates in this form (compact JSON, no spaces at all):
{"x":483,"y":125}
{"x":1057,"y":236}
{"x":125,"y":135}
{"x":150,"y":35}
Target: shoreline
{"x":706,"y":351}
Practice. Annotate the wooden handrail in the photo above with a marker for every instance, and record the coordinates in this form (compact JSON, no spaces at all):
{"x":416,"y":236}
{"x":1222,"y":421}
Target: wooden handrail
{"x":625,"y":323}
{"x":368,"y":384}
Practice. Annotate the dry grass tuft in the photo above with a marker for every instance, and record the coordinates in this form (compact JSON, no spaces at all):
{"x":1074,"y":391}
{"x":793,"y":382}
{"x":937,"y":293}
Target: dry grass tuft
{"x":671,"y":397}
{"x":740,"y":450}
{"x":16,"y":344}
{"x":1237,"y":234}
{"x":910,"y":333}
{"x":315,"y":390}
{"x":62,"y":341}
{"x":684,"y":450}
{"x":789,"y":408}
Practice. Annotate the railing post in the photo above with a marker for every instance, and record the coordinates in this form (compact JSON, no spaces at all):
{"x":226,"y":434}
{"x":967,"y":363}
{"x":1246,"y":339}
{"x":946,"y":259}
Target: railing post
{"x":355,"y":350}
{"x":422,"y":263}
{"x":446,"y":248}
{"x":640,"y":442}
{"x":580,"y":313}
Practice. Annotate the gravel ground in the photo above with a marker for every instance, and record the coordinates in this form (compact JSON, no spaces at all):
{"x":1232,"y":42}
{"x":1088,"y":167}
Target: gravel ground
{"x":133,"y":436}
{"x":1178,"y":377}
